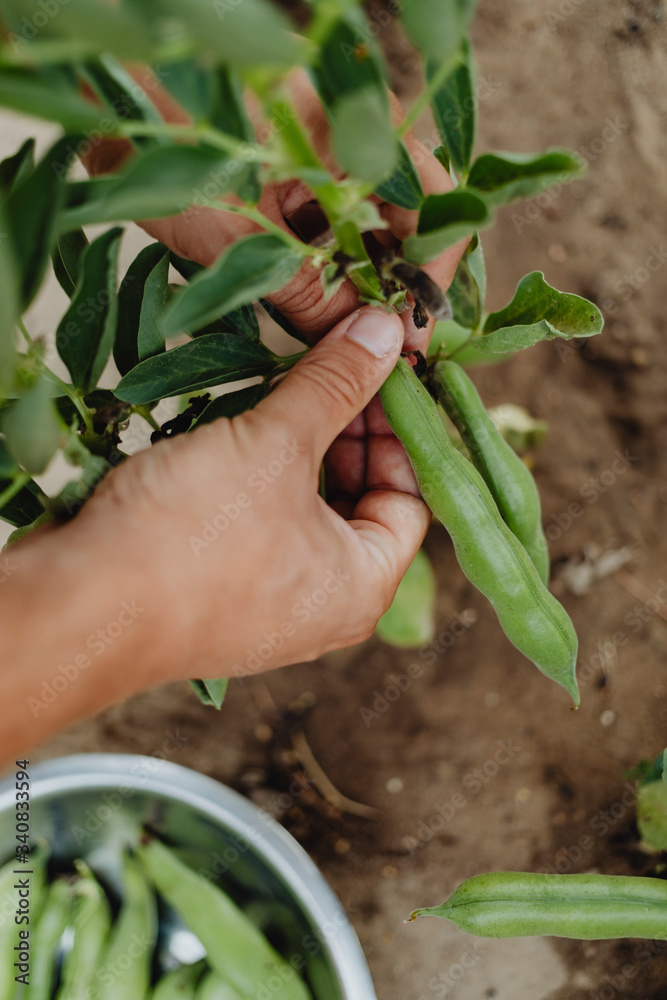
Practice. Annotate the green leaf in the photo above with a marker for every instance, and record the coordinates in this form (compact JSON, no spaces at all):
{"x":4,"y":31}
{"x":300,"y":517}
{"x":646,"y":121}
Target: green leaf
{"x":664,"y":766}
{"x":211,"y":692}
{"x":504,"y":177}
{"x":251,"y":268}
{"x":350,"y":80}
{"x":141,"y":301}
{"x":116,"y":89}
{"x":652,"y":814}
{"x":251,"y":33}
{"x":66,"y":257}
{"x":10,"y":309}
{"x":468,"y":289}
{"x":32,"y":429}
{"x":241,"y":321}
{"x":232,"y":404}
{"x":39,"y":94}
{"x":15,"y":169}
{"x":229,"y":115}
{"x":362,"y":136}
{"x":444,"y":219}
{"x":410,"y":621}
{"x":93,"y":24}
{"x":537,"y":312}
{"x":436,"y":27}
{"x":25,"y":506}
{"x":7,"y":464}
{"x":161,"y":182}
{"x":454,"y":107}
{"x":211,"y":360}
{"x":192,"y":85}
{"x":86,"y":332}
{"x":282,"y":321}
{"x":448,"y":337}
{"x":403,"y":187}
{"x":33,"y":209}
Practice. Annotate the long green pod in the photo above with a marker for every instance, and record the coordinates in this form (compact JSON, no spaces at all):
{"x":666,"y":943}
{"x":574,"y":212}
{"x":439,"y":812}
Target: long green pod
{"x":91,"y":921}
{"x":44,"y":946}
{"x":509,"y":480}
{"x":9,"y":932}
{"x":236,"y":949}
{"x":125,"y":972}
{"x":181,"y":984}
{"x":214,"y":988}
{"x":487,"y":551}
{"x":585,"y":907}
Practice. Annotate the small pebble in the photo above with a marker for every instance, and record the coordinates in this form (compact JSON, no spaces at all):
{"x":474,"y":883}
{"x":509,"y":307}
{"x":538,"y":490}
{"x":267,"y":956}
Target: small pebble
{"x":394,"y":785}
{"x":558,"y":253}
{"x":608,"y":718}
{"x":342,"y":846}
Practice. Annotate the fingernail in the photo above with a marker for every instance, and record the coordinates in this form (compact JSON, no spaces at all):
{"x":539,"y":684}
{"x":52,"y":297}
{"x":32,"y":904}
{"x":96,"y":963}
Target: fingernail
{"x":376,"y":331}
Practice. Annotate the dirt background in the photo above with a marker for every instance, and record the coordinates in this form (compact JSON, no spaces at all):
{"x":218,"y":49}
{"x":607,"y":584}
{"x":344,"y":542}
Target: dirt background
{"x":591,"y":75}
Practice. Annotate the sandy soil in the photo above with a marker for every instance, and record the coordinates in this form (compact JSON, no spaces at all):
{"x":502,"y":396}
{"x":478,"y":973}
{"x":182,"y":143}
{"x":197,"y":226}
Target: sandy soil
{"x":588,"y":74}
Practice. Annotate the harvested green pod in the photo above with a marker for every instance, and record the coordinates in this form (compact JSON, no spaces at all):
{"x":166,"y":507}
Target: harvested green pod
{"x":236,"y":949}
{"x":17,"y":880}
{"x":487,"y":551}
{"x":8,"y":929}
{"x":132,"y":936}
{"x":509,"y":481}
{"x":585,"y":907}
{"x":214,"y":988}
{"x":50,"y":928}
{"x":91,"y":921}
{"x":181,"y":984}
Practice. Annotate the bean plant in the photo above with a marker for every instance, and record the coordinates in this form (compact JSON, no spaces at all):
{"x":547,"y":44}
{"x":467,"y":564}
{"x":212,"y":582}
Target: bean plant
{"x":209,"y":57}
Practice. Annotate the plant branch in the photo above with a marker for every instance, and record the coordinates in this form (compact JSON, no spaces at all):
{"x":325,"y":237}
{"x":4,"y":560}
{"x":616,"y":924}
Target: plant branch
{"x":14,"y":487}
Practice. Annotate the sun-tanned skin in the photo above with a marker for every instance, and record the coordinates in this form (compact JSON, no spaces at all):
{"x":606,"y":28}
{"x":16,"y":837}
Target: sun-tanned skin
{"x":213,"y":554}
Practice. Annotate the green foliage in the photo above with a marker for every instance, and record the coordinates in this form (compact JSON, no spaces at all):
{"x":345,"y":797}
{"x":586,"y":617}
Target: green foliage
{"x":410,"y":621}
{"x":228,"y":65}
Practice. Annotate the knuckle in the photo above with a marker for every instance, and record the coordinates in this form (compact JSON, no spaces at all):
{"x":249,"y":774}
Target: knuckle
{"x":342,"y":384}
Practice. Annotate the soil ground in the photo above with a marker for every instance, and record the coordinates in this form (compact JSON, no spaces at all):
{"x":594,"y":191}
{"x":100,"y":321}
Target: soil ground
{"x":588,"y":74}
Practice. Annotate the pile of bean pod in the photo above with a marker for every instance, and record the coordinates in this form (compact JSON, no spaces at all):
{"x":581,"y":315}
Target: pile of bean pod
{"x":80,"y":952}
{"x":490,"y":507}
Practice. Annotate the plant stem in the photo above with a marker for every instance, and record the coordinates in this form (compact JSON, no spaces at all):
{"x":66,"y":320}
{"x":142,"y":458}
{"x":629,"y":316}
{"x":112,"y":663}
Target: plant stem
{"x":19,"y":482}
{"x":69,"y":390}
{"x":143,"y":411}
{"x":199,"y":133}
{"x":424,"y":98}
{"x":287,"y":362}
{"x":271,"y":227}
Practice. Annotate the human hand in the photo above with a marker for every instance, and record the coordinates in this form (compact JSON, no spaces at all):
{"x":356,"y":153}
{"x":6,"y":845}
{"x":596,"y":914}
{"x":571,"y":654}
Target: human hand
{"x":247,"y":565}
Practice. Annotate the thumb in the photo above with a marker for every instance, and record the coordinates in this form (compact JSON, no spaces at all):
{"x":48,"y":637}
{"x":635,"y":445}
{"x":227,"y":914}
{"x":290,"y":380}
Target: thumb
{"x":338,"y":377}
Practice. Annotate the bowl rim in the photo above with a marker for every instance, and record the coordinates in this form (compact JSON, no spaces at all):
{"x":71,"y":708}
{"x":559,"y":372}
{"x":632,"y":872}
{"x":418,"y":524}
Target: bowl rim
{"x":279,"y":850}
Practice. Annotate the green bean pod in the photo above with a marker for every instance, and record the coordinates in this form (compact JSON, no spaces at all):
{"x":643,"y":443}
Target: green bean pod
{"x":236,"y":949}
{"x":50,"y":928}
{"x":91,"y":921}
{"x":509,"y":480}
{"x":125,"y":972}
{"x":8,"y":929}
{"x":487,"y":551}
{"x":585,"y":907}
{"x":214,"y":988}
{"x":181,"y":984}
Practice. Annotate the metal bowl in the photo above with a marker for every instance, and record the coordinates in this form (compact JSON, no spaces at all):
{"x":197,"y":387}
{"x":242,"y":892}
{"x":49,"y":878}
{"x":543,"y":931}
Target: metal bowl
{"x":89,"y":805}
